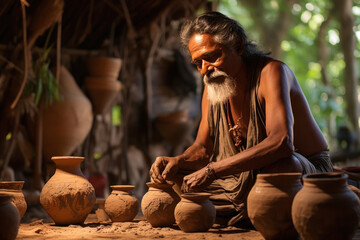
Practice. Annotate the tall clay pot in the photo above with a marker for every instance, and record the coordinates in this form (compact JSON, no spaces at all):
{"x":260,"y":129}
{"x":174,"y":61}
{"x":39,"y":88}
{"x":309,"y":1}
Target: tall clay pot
{"x":195,"y":212}
{"x":159,"y":203}
{"x":269,"y":204}
{"x":67,"y":122}
{"x":15,"y":189}
{"x":121,"y":205}
{"x":68,"y":197}
{"x":325,"y":208}
{"x":10,"y":219}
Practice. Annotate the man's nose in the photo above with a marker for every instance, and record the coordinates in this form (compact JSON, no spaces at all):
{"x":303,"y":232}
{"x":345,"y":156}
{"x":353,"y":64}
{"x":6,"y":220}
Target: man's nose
{"x":206,"y":67}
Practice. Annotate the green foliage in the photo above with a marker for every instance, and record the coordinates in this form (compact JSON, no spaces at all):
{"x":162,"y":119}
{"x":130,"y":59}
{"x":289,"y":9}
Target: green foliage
{"x":43,"y":84}
{"x":300,"y":50}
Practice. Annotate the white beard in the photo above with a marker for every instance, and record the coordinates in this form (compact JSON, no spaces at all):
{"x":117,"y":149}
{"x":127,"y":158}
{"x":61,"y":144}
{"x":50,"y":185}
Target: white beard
{"x":219,"y":92}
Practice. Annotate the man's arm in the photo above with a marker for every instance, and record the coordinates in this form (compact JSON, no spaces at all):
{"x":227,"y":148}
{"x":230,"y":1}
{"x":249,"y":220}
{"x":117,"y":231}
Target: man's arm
{"x":274,"y":92}
{"x":194,"y":158}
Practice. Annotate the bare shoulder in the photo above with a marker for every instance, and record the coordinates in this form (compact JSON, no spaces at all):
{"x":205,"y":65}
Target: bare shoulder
{"x":276,"y":76}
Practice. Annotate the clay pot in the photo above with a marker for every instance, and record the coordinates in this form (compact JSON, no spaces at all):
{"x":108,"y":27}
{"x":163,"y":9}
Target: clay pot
{"x":195,"y":212}
{"x":68,"y":197}
{"x":67,"y":122}
{"x":10,"y":219}
{"x":159,"y":203}
{"x":14,"y":188}
{"x":325,"y":208}
{"x":121,"y":205}
{"x":269,"y":204}
{"x":104,"y":66}
{"x":102,"y":92}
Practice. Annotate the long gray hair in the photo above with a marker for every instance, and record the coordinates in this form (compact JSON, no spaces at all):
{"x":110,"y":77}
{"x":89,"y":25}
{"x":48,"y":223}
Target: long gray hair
{"x":225,"y":31}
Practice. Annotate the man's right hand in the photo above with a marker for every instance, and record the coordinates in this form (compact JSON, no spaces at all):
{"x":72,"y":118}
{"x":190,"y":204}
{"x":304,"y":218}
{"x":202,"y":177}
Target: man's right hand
{"x":164,"y":168}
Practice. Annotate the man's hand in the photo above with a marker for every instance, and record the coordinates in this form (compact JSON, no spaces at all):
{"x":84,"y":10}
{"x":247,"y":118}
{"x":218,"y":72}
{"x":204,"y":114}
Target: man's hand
{"x":164,"y":168}
{"x":196,"y":181}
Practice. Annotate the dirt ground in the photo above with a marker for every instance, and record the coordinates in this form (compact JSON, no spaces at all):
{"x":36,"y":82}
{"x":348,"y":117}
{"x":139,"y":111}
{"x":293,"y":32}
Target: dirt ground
{"x":137,"y":229}
{"x":42,"y":228}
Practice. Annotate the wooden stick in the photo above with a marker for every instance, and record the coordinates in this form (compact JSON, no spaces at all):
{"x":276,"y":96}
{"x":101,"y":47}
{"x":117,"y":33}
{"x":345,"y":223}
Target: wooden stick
{"x":23,"y":12}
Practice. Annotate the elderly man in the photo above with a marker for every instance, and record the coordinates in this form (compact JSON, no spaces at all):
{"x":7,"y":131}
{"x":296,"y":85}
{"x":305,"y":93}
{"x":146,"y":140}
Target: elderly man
{"x":255,"y":119}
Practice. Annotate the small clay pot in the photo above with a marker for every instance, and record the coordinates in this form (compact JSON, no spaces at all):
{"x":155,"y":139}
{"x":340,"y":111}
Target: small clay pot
{"x":68,"y":197}
{"x":121,"y":205}
{"x":269,"y":204}
{"x":15,"y":189}
{"x":325,"y":208}
{"x":10,"y":218}
{"x":195,"y":212}
{"x":159,"y":203}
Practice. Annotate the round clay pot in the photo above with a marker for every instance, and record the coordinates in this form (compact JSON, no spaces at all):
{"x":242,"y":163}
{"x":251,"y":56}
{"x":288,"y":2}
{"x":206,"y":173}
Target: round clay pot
{"x":72,"y":115}
{"x":195,"y":212}
{"x":325,"y":208}
{"x":104,"y":66}
{"x":121,"y":205}
{"x":269,"y":204}
{"x":68,"y":197}
{"x":15,"y":189}
{"x":10,"y":218}
{"x":159,"y":203}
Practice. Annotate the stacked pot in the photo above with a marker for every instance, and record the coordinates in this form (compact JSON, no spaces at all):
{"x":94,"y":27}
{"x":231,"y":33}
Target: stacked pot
{"x":102,"y":84}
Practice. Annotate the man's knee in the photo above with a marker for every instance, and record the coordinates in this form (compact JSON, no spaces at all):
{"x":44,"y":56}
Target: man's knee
{"x":290,"y":164}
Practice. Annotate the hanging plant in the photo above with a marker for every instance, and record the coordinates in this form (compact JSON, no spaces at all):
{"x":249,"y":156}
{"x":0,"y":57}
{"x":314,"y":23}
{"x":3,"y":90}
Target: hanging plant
{"x":43,"y":83}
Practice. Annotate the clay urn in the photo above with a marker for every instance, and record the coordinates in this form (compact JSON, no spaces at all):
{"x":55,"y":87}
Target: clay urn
{"x":325,"y":208}
{"x":269,"y":204}
{"x":14,"y":188}
{"x":10,"y":218}
{"x":121,"y":205}
{"x":67,"y":122}
{"x":68,"y":197}
{"x":158,"y":204}
{"x":102,"y":66}
{"x":195,"y":212}
{"x":102,"y":92}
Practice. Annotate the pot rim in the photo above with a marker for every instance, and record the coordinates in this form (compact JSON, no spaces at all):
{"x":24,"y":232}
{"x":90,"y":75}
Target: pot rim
{"x":159,"y":185}
{"x":196,"y":196}
{"x":325,"y":176}
{"x":124,"y":188}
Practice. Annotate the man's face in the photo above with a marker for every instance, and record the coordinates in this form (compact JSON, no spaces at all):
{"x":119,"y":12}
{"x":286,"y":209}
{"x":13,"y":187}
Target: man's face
{"x":216,"y":64}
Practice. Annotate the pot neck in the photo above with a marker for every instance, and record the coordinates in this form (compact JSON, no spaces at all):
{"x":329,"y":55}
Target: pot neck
{"x":68,"y":164}
{"x":281,"y":179}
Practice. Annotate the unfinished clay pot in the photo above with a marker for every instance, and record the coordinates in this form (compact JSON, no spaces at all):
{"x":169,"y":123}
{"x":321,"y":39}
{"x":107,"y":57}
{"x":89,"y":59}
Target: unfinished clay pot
{"x":325,"y":208}
{"x":269,"y":204}
{"x":15,"y":189}
{"x":68,"y":197}
{"x":10,"y":219}
{"x":67,"y":122}
{"x":159,"y":203}
{"x":121,"y":205}
{"x":195,"y":212}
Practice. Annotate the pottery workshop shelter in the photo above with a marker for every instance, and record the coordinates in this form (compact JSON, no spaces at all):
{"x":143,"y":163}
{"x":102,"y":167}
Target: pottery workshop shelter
{"x":107,"y":80}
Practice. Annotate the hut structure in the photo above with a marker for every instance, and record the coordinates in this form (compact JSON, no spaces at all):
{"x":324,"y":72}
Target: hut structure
{"x":148,"y":106}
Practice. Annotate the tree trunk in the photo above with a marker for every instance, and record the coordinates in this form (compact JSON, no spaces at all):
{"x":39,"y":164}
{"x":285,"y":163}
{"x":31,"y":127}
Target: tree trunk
{"x":348,"y":44}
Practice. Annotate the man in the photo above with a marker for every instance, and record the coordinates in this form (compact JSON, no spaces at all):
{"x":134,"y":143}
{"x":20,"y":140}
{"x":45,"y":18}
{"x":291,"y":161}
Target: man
{"x":255,"y":119}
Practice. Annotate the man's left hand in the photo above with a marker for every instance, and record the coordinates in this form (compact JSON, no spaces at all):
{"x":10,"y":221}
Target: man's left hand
{"x":196,"y":181}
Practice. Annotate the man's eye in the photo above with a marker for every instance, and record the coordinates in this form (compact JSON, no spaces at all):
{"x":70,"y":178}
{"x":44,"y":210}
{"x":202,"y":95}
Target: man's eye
{"x":198,"y":64}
